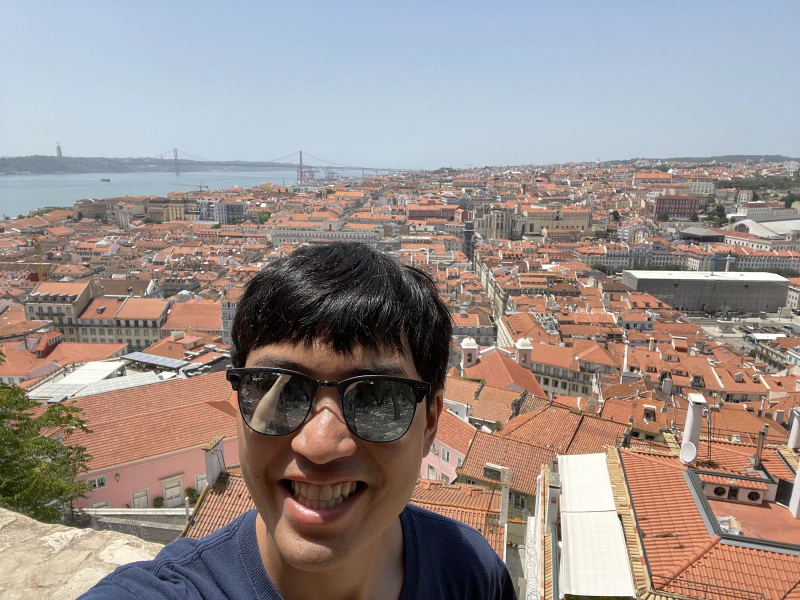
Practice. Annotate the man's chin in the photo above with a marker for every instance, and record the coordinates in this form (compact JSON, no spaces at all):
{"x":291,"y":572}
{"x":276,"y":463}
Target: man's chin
{"x":314,"y":555}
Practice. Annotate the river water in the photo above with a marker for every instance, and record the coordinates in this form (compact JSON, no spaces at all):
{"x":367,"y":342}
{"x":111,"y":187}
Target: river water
{"x":20,"y":194}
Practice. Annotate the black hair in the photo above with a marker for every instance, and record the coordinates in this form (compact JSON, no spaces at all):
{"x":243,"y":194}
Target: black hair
{"x":345,"y":295}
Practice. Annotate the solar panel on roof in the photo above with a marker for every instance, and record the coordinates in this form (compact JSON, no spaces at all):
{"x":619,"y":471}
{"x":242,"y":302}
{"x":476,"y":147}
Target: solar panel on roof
{"x":152,"y":359}
{"x":119,"y":383}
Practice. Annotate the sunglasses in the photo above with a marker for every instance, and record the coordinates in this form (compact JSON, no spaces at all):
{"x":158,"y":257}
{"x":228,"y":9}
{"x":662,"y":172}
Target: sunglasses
{"x":376,"y":408}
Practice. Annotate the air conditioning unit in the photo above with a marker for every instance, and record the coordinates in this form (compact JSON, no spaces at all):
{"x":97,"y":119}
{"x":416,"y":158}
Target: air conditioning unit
{"x":720,"y":491}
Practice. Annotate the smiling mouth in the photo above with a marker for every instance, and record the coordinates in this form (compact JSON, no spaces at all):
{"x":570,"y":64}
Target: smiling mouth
{"x":318,"y":497}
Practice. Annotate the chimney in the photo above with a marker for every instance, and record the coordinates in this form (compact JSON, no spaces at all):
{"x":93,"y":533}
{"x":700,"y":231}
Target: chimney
{"x":762,"y":437}
{"x":553,"y":495}
{"x":524,"y":350}
{"x":177,"y":335}
{"x":778,"y":416}
{"x":666,"y":386}
{"x":505,"y":481}
{"x":469,"y":353}
{"x":694,"y":423}
{"x":214,"y":453}
{"x":794,"y":502}
{"x":651,"y":345}
{"x":794,"y":434}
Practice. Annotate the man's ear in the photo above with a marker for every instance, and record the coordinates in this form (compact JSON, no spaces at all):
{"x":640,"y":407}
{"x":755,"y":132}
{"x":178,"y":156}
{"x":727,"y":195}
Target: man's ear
{"x":432,"y":421}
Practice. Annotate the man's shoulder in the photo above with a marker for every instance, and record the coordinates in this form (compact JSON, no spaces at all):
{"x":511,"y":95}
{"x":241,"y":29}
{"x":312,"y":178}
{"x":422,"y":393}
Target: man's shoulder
{"x":473,"y":568}
{"x":182,"y":568}
{"x":456,"y":535}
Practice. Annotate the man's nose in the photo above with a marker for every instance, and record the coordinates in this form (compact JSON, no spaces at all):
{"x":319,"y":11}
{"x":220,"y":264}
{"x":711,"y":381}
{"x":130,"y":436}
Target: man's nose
{"x":324,"y":436}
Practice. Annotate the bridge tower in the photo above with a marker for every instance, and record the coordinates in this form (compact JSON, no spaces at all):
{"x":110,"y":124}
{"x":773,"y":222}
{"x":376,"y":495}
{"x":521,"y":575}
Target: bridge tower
{"x":177,"y":168}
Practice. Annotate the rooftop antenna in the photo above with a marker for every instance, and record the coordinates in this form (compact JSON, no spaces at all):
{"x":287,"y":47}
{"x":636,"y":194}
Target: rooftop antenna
{"x":688,"y":452}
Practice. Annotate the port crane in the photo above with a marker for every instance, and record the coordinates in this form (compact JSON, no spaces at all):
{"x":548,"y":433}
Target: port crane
{"x":200,"y":187}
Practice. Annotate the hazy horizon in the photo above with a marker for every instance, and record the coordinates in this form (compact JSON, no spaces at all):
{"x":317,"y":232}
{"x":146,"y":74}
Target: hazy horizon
{"x":413,"y":85}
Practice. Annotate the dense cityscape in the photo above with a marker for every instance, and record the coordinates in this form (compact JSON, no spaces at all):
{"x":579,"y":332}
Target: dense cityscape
{"x":625,"y":358}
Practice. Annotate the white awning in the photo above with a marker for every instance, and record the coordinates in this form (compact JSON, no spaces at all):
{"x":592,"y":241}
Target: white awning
{"x":594,"y":557}
{"x":587,"y":487}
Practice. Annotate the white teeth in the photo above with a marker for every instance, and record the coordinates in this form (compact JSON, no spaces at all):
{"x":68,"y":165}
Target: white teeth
{"x":325,"y":493}
{"x":322,"y":496}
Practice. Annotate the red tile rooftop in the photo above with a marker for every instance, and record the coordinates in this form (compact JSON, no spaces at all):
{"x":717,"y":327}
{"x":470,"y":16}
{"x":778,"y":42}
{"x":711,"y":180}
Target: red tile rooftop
{"x":768,"y":521}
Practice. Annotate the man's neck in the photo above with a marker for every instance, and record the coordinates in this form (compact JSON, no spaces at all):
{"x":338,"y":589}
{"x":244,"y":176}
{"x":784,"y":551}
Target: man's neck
{"x":376,"y":572}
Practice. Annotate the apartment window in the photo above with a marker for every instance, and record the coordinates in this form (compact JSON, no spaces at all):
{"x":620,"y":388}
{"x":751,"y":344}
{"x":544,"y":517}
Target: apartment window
{"x":200,"y":482}
{"x":140,"y":499}
{"x":100,"y":504}
{"x":431,"y":472}
{"x":173,"y":492}
{"x":97,"y":482}
{"x":445,"y":478}
{"x":459,"y":461}
{"x":446,"y":455}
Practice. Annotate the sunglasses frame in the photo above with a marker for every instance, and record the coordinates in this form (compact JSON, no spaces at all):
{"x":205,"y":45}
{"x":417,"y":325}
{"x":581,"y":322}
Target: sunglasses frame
{"x":236,"y":376}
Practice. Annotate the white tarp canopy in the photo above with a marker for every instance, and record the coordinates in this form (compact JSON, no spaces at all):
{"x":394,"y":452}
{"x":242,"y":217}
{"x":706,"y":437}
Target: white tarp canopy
{"x":594,"y":558}
{"x":589,"y":488}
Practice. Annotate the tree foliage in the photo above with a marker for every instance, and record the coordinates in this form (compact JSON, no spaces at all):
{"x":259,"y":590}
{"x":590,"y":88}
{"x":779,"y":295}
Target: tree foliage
{"x":790,"y":199}
{"x":615,"y":216}
{"x":37,"y":471}
{"x":759,"y":183}
{"x":694,"y":218}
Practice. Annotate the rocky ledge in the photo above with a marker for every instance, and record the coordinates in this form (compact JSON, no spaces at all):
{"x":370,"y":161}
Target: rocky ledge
{"x":38,"y":560}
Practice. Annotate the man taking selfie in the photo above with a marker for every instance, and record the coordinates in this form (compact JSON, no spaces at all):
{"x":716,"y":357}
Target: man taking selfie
{"x":340,"y":354}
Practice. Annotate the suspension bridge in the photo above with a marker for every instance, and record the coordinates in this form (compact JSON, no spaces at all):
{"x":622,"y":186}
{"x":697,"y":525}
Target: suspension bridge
{"x":306,"y":172}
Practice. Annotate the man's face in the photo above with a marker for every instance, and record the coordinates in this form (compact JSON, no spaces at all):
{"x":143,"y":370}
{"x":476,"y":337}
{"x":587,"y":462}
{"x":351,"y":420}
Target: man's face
{"x":380,"y":477}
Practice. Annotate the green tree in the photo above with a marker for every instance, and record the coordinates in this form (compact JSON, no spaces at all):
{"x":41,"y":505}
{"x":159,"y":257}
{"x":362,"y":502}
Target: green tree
{"x":615,"y":216}
{"x":790,"y":199}
{"x":37,"y":471}
{"x":709,"y":309}
{"x":663,"y":217}
{"x":720,"y":210}
{"x":694,"y":218}
{"x":263,"y":217}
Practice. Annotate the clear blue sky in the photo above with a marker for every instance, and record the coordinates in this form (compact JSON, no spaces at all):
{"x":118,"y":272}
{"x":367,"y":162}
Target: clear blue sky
{"x":406,"y":84}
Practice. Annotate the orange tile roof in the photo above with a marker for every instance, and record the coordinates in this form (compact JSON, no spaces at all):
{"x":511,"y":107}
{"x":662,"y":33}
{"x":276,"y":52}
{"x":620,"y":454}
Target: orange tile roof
{"x":142,"y":308}
{"x":454,"y":432}
{"x":751,"y":570}
{"x":666,"y":512}
{"x":220,"y":504}
{"x":564,"y":430}
{"x":144,"y":435}
{"x":203,"y":315}
{"x":494,"y":404}
{"x":472,"y":505}
{"x":524,"y":460}
{"x":500,"y":371}
{"x":457,"y":389}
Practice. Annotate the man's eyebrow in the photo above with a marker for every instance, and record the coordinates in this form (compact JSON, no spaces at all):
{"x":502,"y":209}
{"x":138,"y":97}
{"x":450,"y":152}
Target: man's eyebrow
{"x":276,"y":362}
{"x":380,"y":368}
{"x":268,"y":361}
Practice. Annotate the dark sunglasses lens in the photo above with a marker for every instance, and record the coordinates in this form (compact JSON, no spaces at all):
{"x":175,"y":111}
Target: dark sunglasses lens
{"x":274,"y":403}
{"x":379,"y":410}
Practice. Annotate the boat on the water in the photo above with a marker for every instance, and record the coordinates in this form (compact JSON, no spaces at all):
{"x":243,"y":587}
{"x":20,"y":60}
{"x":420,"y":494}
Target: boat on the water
{"x":104,"y":179}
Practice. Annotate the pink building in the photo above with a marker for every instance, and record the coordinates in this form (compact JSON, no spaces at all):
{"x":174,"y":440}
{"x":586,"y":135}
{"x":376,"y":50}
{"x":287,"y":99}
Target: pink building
{"x":448,"y":450}
{"x":148,"y":442}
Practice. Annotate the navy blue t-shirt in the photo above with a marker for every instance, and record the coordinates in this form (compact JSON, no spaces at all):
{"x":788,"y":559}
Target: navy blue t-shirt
{"x":443,"y":559}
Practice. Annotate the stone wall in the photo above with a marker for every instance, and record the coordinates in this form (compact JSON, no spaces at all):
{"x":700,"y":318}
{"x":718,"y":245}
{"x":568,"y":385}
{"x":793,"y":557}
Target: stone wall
{"x":38,"y":560}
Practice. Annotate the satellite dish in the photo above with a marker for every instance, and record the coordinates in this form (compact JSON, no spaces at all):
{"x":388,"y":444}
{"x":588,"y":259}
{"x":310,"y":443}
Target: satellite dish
{"x":688,"y":452}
